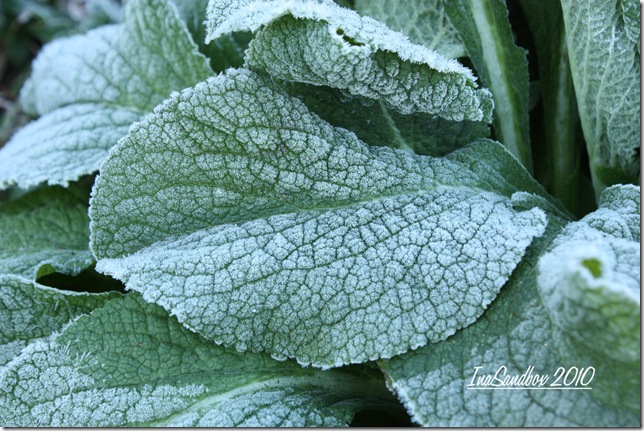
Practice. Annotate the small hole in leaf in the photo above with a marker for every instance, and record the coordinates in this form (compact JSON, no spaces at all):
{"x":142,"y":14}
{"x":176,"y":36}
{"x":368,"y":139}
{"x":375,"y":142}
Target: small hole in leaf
{"x":594,"y":266}
{"x":351,"y":41}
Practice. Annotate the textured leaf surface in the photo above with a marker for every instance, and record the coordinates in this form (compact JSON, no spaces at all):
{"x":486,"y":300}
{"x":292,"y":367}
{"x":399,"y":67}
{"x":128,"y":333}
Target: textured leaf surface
{"x":590,"y":285}
{"x":376,"y":124}
{"x":302,"y":240}
{"x":605,"y":64}
{"x":519,"y":330}
{"x":484,"y":28}
{"x":148,"y":370}
{"x":423,"y":21}
{"x":339,"y":54}
{"x":44,"y":231}
{"x":90,"y":88}
{"x":30,"y":311}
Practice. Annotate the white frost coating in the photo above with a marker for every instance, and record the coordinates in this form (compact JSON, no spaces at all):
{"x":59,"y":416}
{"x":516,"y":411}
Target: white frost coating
{"x":336,"y":47}
{"x":590,"y":280}
{"x":89,"y":88}
{"x":63,"y":145}
{"x":148,"y":370}
{"x":282,"y":233}
{"x":224,"y":17}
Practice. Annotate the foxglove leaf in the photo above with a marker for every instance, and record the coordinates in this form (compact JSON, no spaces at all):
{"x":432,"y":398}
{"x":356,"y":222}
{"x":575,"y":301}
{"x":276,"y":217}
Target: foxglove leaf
{"x":605,"y":64}
{"x":262,"y":227}
{"x":425,"y":22}
{"x":484,"y":28}
{"x":148,"y":370}
{"x":45,"y":231}
{"x":90,"y":88}
{"x":30,"y":311}
{"x":577,"y":305}
{"x":334,"y":50}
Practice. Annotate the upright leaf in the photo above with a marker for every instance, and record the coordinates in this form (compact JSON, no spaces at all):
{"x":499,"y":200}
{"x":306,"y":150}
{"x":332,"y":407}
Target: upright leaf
{"x":605,"y":64}
{"x":425,"y":22}
{"x":129,"y":363}
{"x":557,"y":158}
{"x":45,"y":231}
{"x":282,"y":233}
{"x":484,"y":28}
{"x":334,"y":54}
{"x":30,"y":311}
{"x":90,"y":88}
{"x":575,"y":306}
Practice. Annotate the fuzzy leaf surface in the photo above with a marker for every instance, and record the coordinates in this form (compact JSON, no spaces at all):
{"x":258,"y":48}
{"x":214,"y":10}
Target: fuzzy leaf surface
{"x":535,"y":321}
{"x":45,"y":231}
{"x":605,"y":64}
{"x":425,"y":22}
{"x":89,"y":88}
{"x":30,"y":311}
{"x":148,"y":370}
{"x":301,"y":240}
{"x":334,"y":52}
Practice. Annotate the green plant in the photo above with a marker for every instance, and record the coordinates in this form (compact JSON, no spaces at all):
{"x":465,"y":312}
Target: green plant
{"x":325,"y":218}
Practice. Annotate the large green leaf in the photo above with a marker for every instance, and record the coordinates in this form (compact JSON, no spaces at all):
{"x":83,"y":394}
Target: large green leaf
{"x":45,"y":231}
{"x":484,"y":28}
{"x":425,"y":22}
{"x":129,"y":363}
{"x":575,"y":306}
{"x":90,"y":88}
{"x":262,"y":227}
{"x":605,"y":63}
{"x":334,"y":54}
{"x":30,"y":311}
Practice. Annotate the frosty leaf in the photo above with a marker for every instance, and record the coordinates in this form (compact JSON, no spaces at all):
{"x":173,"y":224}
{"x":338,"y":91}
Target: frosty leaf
{"x":227,"y":51}
{"x":90,"y":88}
{"x":30,"y":311}
{"x":484,"y":28}
{"x":44,"y":231}
{"x":423,"y":21}
{"x":360,"y":60}
{"x":281,"y":233}
{"x":519,"y":331}
{"x":590,"y":285}
{"x":130,"y":364}
{"x":375,"y":124}
{"x":605,"y":65}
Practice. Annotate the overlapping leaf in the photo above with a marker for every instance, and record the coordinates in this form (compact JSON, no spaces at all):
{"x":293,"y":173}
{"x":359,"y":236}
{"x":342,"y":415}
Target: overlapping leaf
{"x":340,"y":55}
{"x":262,"y":227}
{"x":484,"y":28}
{"x":148,"y":370}
{"x":90,"y":88}
{"x":423,"y":21}
{"x":605,"y":64}
{"x":576,"y":306}
{"x":30,"y":311}
{"x":44,"y":231}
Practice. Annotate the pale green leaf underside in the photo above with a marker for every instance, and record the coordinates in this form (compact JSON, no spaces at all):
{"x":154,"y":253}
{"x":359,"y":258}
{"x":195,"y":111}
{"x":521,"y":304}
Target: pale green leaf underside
{"x":90,"y":87}
{"x":423,"y":21}
{"x":590,"y":285}
{"x":323,"y":44}
{"x":30,"y":311}
{"x":484,"y":28}
{"x":148,"y":370}
{"x":605,"y":65}
{"x":301,"y":240}
{"x":518,"y":332}
{"x":44,"y":231}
